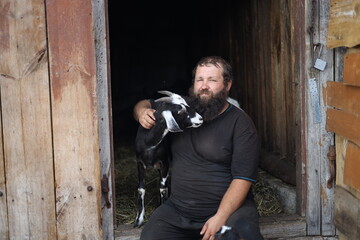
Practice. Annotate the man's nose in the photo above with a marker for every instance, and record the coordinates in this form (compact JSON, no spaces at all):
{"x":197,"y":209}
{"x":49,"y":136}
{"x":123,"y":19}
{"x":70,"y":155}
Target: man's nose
{"x":204,"y":85}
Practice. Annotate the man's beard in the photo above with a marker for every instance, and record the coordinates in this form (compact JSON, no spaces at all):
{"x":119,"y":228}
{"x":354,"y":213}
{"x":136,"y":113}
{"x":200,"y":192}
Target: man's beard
{"x":208,"y":108}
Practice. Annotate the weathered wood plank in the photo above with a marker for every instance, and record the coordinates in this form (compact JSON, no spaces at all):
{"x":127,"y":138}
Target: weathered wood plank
{"x":75,"y":119}
{"x":104,"y":111}
{"x":347,"y":213}
{"x":326,"y":139}
{"x":344,"y":23}
{"x":352,"y":67}
{"x":4,"y":230}
{"x":352,"y":167}
{"x":313,"y":131}
{"x":344,"y":123}
{"x":342,"y":97}
{"x":341,"y":150}
{"x":284,"y":227}
{"x":26,"y":120}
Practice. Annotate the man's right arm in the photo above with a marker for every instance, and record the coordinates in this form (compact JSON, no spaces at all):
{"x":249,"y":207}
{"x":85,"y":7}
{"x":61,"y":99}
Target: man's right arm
{"x":144,"y":114}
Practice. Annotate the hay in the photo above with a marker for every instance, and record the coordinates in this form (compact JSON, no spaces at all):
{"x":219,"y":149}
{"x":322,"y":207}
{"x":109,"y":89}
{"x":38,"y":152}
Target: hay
{"x":126,"y":189}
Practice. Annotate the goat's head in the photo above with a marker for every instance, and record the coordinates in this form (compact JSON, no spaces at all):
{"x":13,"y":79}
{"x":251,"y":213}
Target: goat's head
{"x":177,"y":113}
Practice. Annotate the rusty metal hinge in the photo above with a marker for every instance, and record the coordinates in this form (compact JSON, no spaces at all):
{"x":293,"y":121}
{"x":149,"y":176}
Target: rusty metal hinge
{"x":105,"y":190}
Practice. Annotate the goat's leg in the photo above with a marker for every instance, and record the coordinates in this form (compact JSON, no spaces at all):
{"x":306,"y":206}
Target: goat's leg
{"x":164,"y":179}
{"x":141,"y":195}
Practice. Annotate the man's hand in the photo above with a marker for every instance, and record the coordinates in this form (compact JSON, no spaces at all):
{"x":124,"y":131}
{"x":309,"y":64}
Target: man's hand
{"x":211,"y":227}
{"x":147,"y":118}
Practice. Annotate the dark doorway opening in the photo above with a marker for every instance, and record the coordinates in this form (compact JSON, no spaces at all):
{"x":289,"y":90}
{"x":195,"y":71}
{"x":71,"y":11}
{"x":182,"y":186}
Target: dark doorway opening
{"x":155,"y":45}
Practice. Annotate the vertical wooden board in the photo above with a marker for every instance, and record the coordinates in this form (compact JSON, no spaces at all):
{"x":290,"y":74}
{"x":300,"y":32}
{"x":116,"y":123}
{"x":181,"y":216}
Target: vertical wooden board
{"x":104,"y":110}
{"x":276,"y":91}
{"x":313,"y":153}
{"x":352,"y":67}
{"x":344,"y":24}
{"x":326,"y":138}
{"x":341,"y":150}
{"x":26,"y":121}
{"x":347,"y":213}
{"x":352,"y":167}
{"x":4,"y":229}
{"x":298,"y":9}
{"x":75,"y":119}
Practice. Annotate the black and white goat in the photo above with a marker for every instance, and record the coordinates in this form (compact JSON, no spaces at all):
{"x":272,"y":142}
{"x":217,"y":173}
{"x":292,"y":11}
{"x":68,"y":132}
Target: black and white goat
{"x":172,"y":114}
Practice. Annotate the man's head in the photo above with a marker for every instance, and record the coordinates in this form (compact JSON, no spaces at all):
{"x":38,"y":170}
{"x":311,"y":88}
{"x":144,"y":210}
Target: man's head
{"x":212,"y":80}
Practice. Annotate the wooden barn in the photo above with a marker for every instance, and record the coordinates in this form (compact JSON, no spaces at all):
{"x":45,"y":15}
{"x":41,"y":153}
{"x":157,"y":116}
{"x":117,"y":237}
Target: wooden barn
{"x":71,"y":72}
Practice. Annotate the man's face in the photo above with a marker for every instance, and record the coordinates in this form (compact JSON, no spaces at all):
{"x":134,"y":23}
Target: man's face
{"x":209,"y":82}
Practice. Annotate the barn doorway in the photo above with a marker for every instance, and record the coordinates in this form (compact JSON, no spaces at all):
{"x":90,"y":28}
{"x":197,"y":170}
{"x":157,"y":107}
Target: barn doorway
{"x":154,"y":46}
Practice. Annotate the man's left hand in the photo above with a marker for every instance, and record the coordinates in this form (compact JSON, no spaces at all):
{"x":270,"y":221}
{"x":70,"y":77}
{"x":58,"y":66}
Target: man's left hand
{"x":211,"y":227}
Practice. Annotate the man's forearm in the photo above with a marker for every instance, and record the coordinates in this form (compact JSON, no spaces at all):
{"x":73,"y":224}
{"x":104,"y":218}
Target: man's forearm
{"x":233,"y":198}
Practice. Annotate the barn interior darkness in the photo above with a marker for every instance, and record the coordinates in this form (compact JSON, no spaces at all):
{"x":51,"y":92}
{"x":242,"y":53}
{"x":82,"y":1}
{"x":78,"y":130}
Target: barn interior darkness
{"x":153,"y":46}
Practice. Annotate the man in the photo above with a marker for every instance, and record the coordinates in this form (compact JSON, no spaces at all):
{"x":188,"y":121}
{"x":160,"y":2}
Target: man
{"x":214,"y":166}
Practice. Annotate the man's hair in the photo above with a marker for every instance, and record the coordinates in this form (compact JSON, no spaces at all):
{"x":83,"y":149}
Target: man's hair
{"x":218,"y":62}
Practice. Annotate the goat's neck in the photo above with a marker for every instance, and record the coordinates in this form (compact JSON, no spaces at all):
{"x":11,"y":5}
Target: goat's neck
{"x":156,"y":134}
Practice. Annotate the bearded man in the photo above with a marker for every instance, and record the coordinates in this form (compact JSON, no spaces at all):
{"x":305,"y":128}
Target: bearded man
{"x":214,"y":166}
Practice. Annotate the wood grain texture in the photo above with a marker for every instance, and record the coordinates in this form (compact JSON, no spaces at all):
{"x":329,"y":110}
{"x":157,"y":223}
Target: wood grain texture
{"x":75,"y":118}
{"x":344,"y":123}
{"x":352,"y":67}
{"x":352,"y":167}
{"x":342,"y":97}
{"x":4,"y":230}
{"x":104,"y":112}
{"x":347,"y":213}
{"x":344,"y":24}
{"x":26,"y":119}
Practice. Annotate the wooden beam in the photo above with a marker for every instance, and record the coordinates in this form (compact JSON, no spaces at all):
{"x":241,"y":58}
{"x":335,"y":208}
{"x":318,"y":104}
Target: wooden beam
{"x":342,"y":97}
{"x":344,"y":123}
{"x":344,"y":24}
{"x":352,"y":67}
{"x":26,"y":122}
{"x":75,"y":118}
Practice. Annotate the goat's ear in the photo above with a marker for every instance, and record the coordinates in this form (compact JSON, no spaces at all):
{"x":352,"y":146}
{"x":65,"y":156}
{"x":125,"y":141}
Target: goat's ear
{"x":171,"y":123}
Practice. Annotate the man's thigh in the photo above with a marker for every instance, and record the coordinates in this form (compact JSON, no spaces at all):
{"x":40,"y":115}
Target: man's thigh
{"x":166,"y":223}
{"x":246,"y":221}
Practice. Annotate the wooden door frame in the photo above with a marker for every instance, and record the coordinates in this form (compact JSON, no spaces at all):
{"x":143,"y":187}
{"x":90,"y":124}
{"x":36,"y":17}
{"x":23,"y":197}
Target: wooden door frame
{"x":314,"y":199}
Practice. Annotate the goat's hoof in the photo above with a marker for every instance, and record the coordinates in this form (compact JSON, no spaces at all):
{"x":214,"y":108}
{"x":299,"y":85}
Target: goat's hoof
{"x":138,"y":224}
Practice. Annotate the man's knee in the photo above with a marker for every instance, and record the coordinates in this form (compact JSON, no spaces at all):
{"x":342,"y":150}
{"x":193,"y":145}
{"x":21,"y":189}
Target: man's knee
{"x":248,"y":230}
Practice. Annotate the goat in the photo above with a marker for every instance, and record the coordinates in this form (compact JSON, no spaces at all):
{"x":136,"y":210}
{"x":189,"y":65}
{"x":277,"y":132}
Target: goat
{"x":172,"y":114}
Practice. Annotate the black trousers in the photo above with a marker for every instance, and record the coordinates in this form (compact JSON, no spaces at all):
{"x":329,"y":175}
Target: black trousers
{"x":166,"y":223}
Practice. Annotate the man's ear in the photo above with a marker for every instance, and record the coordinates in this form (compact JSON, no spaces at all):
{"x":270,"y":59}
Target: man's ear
{"x":229,"y":84}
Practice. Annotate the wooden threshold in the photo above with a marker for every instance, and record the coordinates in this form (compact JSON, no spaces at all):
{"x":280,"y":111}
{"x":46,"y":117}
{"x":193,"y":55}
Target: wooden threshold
{"x":283,"y":226}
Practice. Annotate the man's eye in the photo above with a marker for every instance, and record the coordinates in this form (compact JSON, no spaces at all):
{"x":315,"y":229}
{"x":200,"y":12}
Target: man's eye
{"x":213,"y":80}
{"x":198,"y":80}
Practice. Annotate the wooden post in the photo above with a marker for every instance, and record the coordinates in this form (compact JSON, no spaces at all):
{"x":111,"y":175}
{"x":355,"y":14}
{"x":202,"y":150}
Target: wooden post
{"x":104,"y":110}
{"x":320,"y":201}
{"x":26,"y":124}
{"x":75,"y":118}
